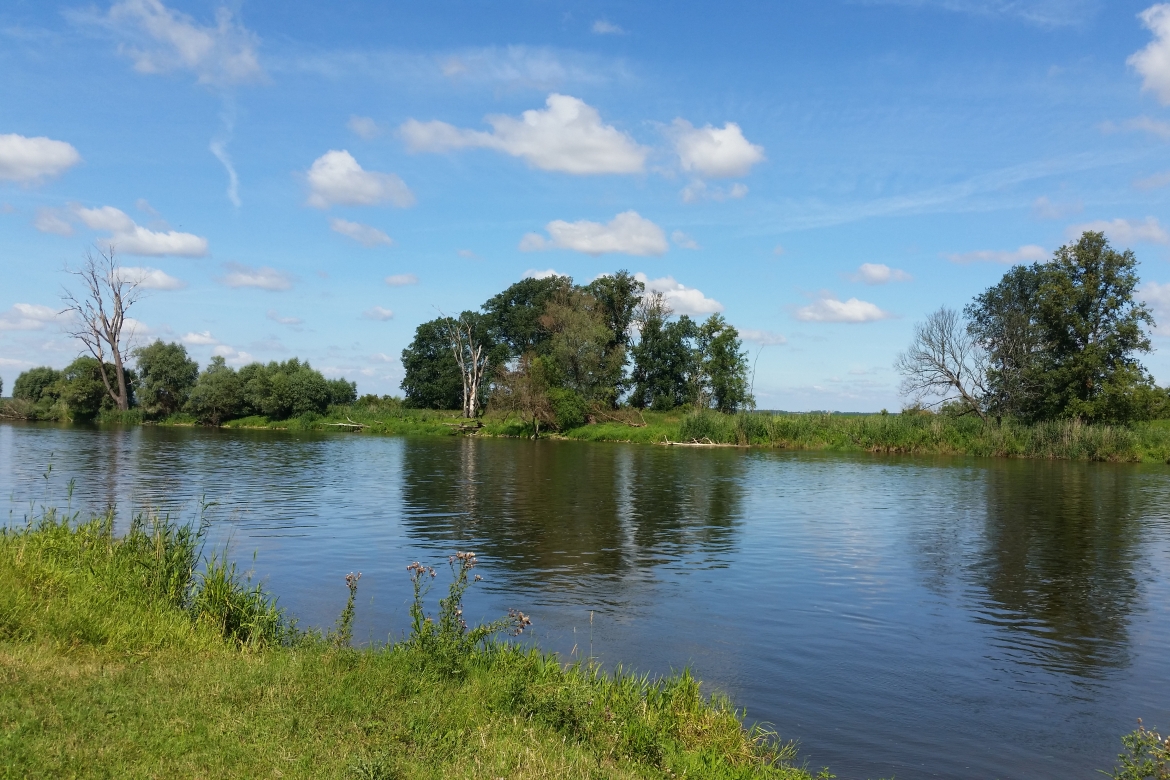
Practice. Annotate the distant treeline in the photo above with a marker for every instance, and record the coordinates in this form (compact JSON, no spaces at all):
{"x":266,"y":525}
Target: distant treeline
{"x":166,"y":381}
{"x":557,"y":354}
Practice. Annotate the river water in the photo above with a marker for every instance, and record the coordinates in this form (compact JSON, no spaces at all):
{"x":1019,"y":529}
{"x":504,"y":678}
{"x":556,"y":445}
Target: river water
{"x":911,"y":617}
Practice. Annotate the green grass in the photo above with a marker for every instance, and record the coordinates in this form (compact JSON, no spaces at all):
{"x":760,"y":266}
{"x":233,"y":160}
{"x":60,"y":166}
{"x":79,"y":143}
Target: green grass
{"x":876,"y":433}
{"x":119,"y":657}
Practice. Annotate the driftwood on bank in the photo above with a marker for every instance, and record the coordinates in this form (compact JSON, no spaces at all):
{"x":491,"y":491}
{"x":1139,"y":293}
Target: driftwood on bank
{"x":611,"y":418}
{"x":354,"y":426}
{"x":704,"y":442}
{"x":465,"y":426}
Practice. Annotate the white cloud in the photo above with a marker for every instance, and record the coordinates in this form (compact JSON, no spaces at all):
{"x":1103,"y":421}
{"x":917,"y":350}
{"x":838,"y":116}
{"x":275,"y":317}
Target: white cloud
{"x":235,"y":357}
{"x":29,"y":160}
{"x":162,"y":40}
{"x":363,"y":127}
{"x":275,"y":316}
{"x":1025,"y":254}
{"x":627,"y":233}
{"x":136,"y":329}
{"x":1153,"y":62}
{"x":680,"y":298}
{"x":568,"y":136}
{"x":1157,"y":296}
{"x":683,"y":241}
{"x":150,"y":278}
{"x":28,"y":316}
{"x":201,"y":339}
{"x":401,"y":280}
{"x":363,"y":234}
{"x":602,"y":27}
{"x":699,"y":190}
{"x":1125,"y":231}
{"x":714,"y":152}
{"x":264,"y":278}
{"x":335,"y":178}
{"x":131,"y":238}
{"x":765,"y":338}
{"x":533,"y":273}
{"x":1044,"y":208}
{"x":1153,"y":182}
{"x":52,"y":221}
{"x":378,"y":313}
{"x":879,"y":273}
{"x":382,"y":357}
{"x":829,"y":309}
{"x":1048,"y":13}
{"x":218,"y":147}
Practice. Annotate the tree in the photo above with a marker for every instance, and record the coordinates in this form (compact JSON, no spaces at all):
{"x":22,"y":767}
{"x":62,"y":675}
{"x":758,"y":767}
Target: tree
{"x":218,"y":395}
{"x":513,"y":316}
{"x":100,"y":317}
{"x":945,"y":362}
{"x":723,"y":366}
{"x":1005,"y":321}
{"x":580,"y":351}
{"x":524,"y":390}
{"x":663,"y":358}
{"x":1092,"y":328}
{"x":432,"y":379}
{"x":82,"y":388}
{"x":341,"y":392}
{"x":166,"y":375}
{"x":618,"y":296}
{"x":470,"y":344}
{"x":33,"y":384}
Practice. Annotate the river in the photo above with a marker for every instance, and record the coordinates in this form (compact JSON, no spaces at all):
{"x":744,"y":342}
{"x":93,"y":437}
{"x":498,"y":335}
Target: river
{"x":914,"y":617}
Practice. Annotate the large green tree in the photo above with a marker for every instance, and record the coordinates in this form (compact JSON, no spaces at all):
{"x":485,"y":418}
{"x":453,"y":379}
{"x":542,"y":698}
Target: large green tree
{"x":1005,"y":322}
{"x":432,"y":379}
{"x":166,"y":375}
{"x":664,"y":361}
{"x":218,"y":395}
{"x":32,"y":385}
{"x":723,"y":366}
{"x":513,"y":316}
{"x":1093,"y":329}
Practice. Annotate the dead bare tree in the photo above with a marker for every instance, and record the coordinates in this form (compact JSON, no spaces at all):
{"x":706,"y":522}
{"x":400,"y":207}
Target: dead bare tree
{"x":100,"y":317}
{"x":471,"y":355}
{"x":945,"y":362}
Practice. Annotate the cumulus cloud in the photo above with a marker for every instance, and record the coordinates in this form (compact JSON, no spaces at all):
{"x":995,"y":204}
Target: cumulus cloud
{"x":235,"y":357}
{"x":879,"y":273}
{"x":275,"y":316}
{"x":680,"y":298}
{"x":628,"y":233}
{"x":264,"y":278}
{"x":401,"y":280}
{"x":829,"y":309}
{"x":567,"y":136}
{"x":765,"y":338}
{"x":160,"y":39}
{"x":31,"y":160}
{"x":699,"y":190}
{"x":1025,"y":254}
{"x":150,"y":278}
{"x":1153,"y":62}
{"x":131,"y":238}
{"x":378,"y":313}
{"x":714,"y":152}
{"x":683,"y":241}
{"x":363,"y":234}
{"x":28,"y":316}
{"x":1157,"y":296}
{"x":533,"y":273}
{"x":201,"y":339}
{"x":603,"y":27}
{"x":335,"y":178}
{"x":1125,"y":231}
{"x":363,"y":127}
{"x":52,"y":221}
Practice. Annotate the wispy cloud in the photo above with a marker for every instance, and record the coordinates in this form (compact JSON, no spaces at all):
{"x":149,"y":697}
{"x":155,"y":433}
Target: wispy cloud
{"x":1047,"y":13}
{"x":1124,"y":231}
{"x":263,"y":278}
{"x":879,"y":273}
{"x":1026,"y":254}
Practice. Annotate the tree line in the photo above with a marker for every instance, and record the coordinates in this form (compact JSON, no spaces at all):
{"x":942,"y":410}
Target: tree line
{"x":558,"y":354}
{"x":1053,"y":340}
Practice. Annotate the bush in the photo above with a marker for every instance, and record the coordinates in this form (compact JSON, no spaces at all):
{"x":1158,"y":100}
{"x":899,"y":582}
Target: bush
{"x":33,"y":384}
{"x":569,"y":408}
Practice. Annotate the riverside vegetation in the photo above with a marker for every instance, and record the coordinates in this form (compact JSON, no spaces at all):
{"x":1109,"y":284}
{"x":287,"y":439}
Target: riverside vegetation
{"x":135,"y":656}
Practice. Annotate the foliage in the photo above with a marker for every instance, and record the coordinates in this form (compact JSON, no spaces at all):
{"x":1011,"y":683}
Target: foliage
{"x":581,"y":351}
{"x":82,"y":390}
{"x":279,"y":391}
{"x":166,"y":376}
{"x":1146,"y":756}
{"x":32,"y":385}
{"x":433,"y":379}
{"x":218,"y":395}
{"x":108,"y":675}
{"x":513,"y":316}
{"x":236,"y":609}
{"x":1005,"y":323}
{"x":524,"y":390}
{"x":723,"y":367}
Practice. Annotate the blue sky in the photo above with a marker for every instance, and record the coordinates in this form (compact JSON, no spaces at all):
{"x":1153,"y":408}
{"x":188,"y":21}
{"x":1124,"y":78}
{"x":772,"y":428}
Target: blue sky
{"x":291,"y":179}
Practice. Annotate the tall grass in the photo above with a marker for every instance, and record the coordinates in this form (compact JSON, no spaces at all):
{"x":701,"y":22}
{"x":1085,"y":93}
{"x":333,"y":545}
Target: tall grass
{"x":138,"y":656}
{"x":907,"y":433}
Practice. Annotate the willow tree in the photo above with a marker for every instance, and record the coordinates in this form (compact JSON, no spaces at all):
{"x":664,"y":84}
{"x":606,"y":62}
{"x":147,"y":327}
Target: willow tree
{"x":100,"y":315}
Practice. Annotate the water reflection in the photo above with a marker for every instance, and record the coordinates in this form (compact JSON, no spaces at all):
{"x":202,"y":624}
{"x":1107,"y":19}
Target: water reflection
{"x":558,"y":513}
{"x":1057,"y":562}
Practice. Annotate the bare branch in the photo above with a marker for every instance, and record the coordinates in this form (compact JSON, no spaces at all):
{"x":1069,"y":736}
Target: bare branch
{"x":945,"y":362}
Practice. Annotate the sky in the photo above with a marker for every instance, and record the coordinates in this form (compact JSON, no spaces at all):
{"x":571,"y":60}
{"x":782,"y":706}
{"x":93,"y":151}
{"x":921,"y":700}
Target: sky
{"x":289,"y":179}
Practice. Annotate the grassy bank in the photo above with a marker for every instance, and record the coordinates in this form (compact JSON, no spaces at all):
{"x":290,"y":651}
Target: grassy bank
{"x":120,"y":657}
{"x":878,"y":433}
